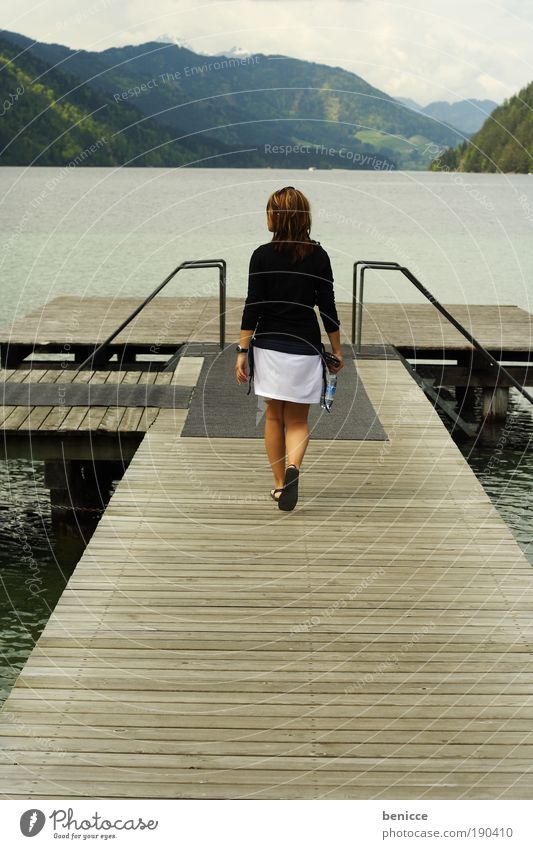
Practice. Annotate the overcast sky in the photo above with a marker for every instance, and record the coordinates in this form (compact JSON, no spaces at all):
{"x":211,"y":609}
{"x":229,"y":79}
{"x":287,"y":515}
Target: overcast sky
{"x":423,"y":49}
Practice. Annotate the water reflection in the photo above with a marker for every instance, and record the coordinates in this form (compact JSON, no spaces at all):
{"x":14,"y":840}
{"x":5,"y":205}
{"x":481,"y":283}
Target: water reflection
{"x":35,"y":564}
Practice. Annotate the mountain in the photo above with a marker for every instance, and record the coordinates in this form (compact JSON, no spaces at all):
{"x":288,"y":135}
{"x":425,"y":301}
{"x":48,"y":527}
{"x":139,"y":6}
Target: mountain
{"x":412,"y":104}
{"x":246,"y":110}
{"x":503,"y":144}
{"x":48,"y":118}
{"x":465,"y":115}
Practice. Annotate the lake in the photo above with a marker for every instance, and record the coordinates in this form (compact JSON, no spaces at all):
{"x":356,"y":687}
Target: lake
{"x":117,"y":232}
{"x":468,"y":237}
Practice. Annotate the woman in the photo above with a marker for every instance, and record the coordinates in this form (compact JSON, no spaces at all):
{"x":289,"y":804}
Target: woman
{"x":287,"y":277}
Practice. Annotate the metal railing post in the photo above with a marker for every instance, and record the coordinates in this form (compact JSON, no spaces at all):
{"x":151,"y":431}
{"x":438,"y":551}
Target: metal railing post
{"x":357,"y":301}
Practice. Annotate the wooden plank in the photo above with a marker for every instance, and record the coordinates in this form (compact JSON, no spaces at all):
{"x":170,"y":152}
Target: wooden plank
{"x":131,"y":377}
{"x":112,"y":419}
{"x":36,"y":417}
{"x":147,"y":377}
{"x":17,"y":418}
{"x":74,"y":419}
{"x":116,"y":377}
{"x":93,"y":418}
{"x":187,"y":371}
{"x":84,"y":376}
{"x":131,"y":418}
{"x":5,"y":412}
{"x":19,"y":375}
{"x":148,"y":417}
{"x":54,"y":418}
{"x":35,"y":376}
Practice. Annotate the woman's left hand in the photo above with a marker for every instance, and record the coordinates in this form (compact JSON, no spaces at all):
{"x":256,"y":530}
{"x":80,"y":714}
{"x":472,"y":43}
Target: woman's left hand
{"x":241,"y":372}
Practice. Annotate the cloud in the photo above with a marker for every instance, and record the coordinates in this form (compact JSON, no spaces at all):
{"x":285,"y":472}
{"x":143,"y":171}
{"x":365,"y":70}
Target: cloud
{"x":422,"y":49}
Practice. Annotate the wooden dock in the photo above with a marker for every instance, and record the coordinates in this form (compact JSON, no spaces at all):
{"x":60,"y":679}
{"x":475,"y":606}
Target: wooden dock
{"x":72,"y":325}
{"x":374,"y":643}
{"x":70,"y":328}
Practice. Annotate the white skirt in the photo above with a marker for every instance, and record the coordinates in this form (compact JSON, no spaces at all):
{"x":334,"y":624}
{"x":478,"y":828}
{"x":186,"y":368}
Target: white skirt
{"x":288,"y":377}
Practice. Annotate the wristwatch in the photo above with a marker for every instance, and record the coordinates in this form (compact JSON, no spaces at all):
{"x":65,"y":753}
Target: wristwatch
{"x":241,"y":350}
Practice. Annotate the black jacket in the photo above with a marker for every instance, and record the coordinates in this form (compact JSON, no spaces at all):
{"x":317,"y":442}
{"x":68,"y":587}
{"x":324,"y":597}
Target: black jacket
{"x":281,"y":297}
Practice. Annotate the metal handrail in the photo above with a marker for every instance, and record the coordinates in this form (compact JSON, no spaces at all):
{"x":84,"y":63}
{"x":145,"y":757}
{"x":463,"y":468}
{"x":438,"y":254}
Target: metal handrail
{"x":367,"y":262}
{"x":357,"y":299}
{"x":192,"y":263}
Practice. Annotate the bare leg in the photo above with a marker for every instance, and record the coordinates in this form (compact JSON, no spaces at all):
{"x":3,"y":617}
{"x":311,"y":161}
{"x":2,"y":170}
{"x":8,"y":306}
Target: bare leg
{"x":296,"y":431}
{"x":275,"y":438}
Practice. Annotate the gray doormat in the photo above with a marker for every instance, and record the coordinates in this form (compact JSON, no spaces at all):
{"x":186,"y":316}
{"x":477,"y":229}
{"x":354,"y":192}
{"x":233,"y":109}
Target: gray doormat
{"x":94,"y":395}
{"x":220,"y":406}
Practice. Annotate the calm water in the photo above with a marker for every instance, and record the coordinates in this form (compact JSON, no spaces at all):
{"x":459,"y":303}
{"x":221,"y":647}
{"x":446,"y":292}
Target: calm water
{"x":34,"y":564}
{"x":468,"y":237}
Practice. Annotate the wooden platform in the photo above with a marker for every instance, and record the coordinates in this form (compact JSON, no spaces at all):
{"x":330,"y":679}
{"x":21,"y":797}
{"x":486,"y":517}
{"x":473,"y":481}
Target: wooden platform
{"x":374,"y":643}
{"x":61,"y":418}
{"x":69,"y":323}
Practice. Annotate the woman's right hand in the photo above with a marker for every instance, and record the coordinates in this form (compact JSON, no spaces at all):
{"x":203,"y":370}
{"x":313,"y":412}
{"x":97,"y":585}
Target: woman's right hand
{"x":241,"y":368}
{"x":336,"y":368}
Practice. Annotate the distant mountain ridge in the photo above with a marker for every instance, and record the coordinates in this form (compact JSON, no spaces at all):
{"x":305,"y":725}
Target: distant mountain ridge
{"x":250,"y":110}
{"x":466,"y":115}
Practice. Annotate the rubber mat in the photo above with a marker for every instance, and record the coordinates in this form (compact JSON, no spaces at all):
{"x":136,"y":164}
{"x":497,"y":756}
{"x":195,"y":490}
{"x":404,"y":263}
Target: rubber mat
{"x":220,"y":406}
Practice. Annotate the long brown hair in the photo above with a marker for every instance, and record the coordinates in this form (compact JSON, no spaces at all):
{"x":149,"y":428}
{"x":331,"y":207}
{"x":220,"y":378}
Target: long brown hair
{"x":291,"y":214}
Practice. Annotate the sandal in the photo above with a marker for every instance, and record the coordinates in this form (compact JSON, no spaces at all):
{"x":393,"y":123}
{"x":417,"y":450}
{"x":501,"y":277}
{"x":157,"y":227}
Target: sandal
{"x":273,"y":493}
{"x":289,"y":495}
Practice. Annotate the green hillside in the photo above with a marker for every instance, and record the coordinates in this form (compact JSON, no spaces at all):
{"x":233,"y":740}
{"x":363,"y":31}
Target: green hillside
{"x":503,"y":144}
{"x":48,"y":118}
{"x":289,"y":113}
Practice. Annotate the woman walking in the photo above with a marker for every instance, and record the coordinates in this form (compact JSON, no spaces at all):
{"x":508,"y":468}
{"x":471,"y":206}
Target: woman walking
{"x":280,"y":337}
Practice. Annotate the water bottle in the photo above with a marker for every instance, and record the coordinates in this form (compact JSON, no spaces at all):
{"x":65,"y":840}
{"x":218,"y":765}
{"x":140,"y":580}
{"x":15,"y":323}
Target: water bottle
{"x":329,"y":395}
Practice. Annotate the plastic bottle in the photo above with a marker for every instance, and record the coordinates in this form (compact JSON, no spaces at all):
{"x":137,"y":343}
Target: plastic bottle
{"x":329,"y":395}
